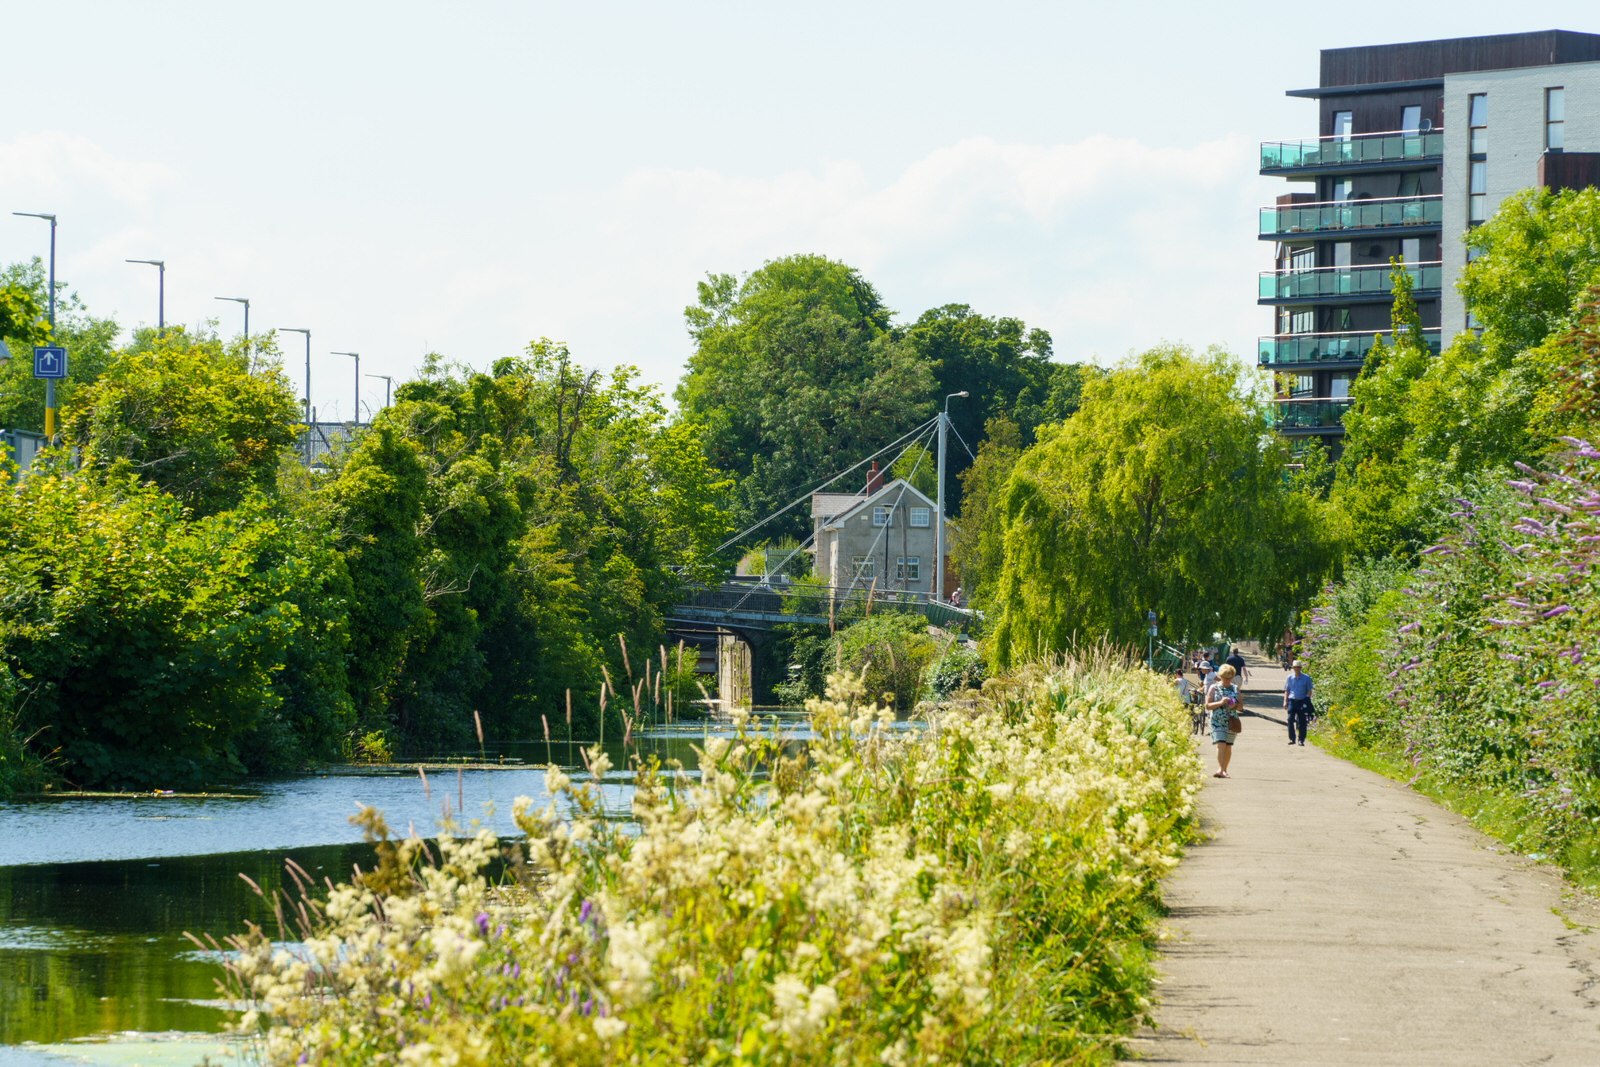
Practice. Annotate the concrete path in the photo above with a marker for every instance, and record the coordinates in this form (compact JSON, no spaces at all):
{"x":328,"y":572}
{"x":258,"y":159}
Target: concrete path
{"x":1335,"y":917}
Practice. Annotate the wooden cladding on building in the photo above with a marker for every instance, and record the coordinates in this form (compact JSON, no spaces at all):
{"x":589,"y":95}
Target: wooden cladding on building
{"x":1374,"y":64}
{"x":1569,"y":170}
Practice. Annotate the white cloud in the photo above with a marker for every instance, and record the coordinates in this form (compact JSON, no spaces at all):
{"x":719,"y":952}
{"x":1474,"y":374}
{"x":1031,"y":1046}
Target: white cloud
{"x":53,"y":165}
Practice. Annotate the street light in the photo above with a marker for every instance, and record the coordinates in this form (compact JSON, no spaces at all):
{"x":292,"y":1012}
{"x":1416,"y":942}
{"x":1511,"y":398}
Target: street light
{"x":938,"y":533}
{"x":161,"y":298}
{"x":246,"y":303}
{"x":292,"y":329}
{"x":387,"y":382}
{"x":49,"y":383}
{"x":357,"y":355}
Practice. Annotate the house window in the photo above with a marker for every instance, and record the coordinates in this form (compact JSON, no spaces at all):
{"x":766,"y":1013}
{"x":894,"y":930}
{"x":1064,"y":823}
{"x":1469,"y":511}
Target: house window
{"x":883,"y":516}
{"x":919,"y":517}
{"x":1555,"y":113}
{"x":1341,"y":125}
{"x":1478,"y":123}
{"x":1477,"y":191}
{"x":907,"y":568}
{"x":1410,"y":119}
{"x":865,"y":568}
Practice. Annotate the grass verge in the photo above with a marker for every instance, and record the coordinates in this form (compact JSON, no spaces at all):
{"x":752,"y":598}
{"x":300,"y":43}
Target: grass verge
{"x":1504,"y":816}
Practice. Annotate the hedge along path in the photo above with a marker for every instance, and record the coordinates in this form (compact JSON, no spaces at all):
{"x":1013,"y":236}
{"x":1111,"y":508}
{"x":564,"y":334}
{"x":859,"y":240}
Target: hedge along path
{"x":1335,"y":917}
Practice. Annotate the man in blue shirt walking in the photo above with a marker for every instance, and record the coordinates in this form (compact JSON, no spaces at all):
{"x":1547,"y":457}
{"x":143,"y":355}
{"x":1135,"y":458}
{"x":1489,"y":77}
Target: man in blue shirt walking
{"x":1297,"y":701}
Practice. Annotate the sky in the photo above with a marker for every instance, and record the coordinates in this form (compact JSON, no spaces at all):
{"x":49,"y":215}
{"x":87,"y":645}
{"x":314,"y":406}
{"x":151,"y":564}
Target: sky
{"x":465,"y":178}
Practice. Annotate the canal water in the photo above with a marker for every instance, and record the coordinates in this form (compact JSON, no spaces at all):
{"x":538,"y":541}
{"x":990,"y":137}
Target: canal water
{"x":96,"y":894}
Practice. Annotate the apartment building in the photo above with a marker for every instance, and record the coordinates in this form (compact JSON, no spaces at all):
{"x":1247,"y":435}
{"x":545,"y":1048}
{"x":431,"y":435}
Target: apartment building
{"x":1417,"y":143}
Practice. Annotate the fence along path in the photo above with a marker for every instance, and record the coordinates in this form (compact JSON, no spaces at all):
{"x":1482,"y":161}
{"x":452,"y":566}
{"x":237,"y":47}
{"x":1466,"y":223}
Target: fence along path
{"x":1336,"y":917}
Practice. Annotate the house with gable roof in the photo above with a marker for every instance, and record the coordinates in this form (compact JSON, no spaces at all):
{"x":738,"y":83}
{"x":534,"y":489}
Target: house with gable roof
{"x":885,"y":533}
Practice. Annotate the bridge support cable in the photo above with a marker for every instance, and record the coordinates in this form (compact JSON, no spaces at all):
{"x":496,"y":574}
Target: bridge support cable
{"x":884,"y":530}
{"x":807,"y":495}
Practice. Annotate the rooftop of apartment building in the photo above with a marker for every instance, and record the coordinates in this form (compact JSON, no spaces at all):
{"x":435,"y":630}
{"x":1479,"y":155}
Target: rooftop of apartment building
{"x":1414,"y":63}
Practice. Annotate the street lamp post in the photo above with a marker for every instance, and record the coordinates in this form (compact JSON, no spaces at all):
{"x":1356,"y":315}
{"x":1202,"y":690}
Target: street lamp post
{"x":387,"y":383}
{"x":161,"y":294}
{"x":938,"y":533}
{"x":49,"y":383}
{"x":246,"y":303}
{"x":292,"y":329}
{"x":356,"y":418}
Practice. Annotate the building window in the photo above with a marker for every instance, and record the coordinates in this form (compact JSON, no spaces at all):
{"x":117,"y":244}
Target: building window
{"x":1339,"y":385}
{"x":1341,"y":254}
{"x":1303,"y":320}
{"x":883,"y":516}
{"x":865,"y":568}
{"x":1303,"y":258}
{"x":1341,"y":125}
{"x":1478,"y":123}
{"x":1410,"y":184}
{"x":1555,"y":113}
{"x":1410,"y":119}
{"x":1303,"y":385}
{"x":1477,"y":191}
{"x":919,"y":517}
{"x":1341,"y":190}
{"x":1411,"y":250}
{"x":907,"y":568}
{"x":1344,"y":319}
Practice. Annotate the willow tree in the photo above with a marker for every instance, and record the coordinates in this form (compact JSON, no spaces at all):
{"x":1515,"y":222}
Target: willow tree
{"x":1166,"y":491}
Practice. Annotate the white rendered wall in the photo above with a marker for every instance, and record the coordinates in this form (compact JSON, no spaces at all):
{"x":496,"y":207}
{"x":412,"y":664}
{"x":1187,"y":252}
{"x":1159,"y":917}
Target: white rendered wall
{"x":1516,"y":141}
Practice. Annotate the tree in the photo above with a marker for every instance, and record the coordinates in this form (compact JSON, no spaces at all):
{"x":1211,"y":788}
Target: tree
{"x":1165,"y":491}
{"x":1003,"y":365}
{"x":796,"y":375}
{"x":190,"y":416}
{"x":977,"y":548}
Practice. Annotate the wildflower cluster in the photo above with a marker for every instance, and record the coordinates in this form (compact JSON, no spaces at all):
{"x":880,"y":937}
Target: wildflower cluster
{"x":1479,"y":665}
{"x":982,"y":891}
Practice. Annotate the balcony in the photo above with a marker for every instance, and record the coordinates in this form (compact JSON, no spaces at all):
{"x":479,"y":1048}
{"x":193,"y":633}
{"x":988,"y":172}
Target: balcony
{"x":1311,"y":416}
{"x":1344,"y":284}
{"x":1370,"y":151}
{"x":1297,"y":349}
{"x":1401,"y":214}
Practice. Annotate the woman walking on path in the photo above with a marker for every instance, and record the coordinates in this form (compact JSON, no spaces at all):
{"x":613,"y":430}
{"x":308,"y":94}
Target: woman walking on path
{"x":1222,"y":700}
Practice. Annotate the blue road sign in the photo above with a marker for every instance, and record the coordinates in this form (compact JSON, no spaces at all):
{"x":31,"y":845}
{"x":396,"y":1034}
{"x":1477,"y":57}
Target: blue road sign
{"x":49,"y":362}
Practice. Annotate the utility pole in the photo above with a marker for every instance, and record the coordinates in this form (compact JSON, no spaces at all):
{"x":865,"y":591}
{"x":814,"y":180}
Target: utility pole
{"x":49,"y":383}
{"x":309,"y":420}
{"x":938,"y":532}
{"x":356,"y":417}
{"x":246,"y":303}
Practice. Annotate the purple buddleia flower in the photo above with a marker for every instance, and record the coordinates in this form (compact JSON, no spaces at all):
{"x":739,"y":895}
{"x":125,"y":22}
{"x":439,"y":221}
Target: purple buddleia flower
{"x":483,"y":923}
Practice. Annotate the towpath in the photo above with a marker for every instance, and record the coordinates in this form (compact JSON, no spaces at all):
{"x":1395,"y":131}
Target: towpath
{"x":1334,"y":917}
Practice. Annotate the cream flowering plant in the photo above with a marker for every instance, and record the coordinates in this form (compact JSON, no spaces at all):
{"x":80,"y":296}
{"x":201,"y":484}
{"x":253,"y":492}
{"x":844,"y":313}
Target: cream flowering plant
{"x":984,"y":890}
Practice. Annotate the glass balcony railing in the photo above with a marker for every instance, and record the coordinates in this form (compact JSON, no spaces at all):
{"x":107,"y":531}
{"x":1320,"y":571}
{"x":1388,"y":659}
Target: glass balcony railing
{"x":1296,"y":348}
{"x":1334,"y":282}
{"x":1311,"y":414}
{"x":1352,"y":215}
{"x":1396,"y":147}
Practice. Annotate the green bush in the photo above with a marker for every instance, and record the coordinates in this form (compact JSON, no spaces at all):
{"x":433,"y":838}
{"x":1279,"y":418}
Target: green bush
{"x":959,"y":668}
{"x":889,"y":651}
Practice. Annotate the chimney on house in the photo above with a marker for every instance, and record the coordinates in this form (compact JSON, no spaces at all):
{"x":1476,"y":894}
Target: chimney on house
{"x":874,"y":479}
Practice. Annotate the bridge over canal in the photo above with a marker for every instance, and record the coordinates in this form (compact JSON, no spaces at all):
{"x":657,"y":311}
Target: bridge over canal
{"x":742,"y":615}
